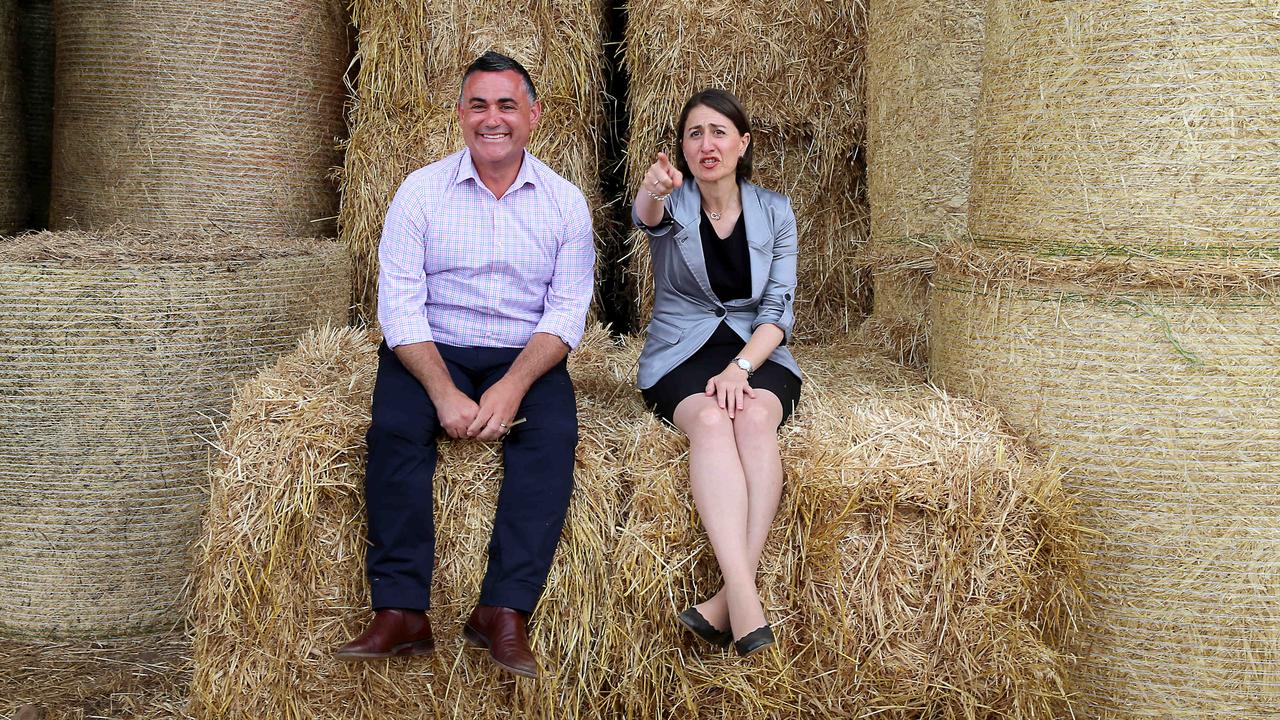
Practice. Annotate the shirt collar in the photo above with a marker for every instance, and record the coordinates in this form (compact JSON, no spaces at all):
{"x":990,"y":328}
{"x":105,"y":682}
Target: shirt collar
{"x":527,"y":175}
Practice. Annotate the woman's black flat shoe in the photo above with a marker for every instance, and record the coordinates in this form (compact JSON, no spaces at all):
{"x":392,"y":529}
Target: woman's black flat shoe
{"x":693,"y":620}
{"x":754,"y":641}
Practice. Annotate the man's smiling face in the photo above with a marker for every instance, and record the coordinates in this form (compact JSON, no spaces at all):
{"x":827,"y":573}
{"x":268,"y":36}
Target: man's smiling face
{"x":497,"y":117}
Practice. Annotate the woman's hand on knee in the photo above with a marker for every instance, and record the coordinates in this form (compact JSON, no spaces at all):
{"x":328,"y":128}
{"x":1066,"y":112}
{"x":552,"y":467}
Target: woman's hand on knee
{"x":730,"y":389}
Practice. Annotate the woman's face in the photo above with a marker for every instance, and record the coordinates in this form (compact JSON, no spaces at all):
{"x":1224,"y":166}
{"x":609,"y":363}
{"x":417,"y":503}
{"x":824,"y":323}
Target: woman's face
{"x":712,"y":145}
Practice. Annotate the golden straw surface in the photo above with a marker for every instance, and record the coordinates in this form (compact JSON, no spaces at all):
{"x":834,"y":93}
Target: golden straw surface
{"x":113,"y":369}
{"x":123,"y":679}
{"x":1147,"y":129}
{"x":797,"y":67}
{"x":1164,"y":407}
{"x":922,"y":565}
{"x":176,"y":115}
{"x":13,"y":177}
{"x":412,"y":56}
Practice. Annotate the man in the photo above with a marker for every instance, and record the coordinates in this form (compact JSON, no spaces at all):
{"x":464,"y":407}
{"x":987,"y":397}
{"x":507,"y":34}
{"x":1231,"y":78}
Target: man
{"x":486,"y":273}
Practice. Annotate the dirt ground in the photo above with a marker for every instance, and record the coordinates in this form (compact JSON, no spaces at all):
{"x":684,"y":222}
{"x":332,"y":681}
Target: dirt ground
{"x":135,"y":679}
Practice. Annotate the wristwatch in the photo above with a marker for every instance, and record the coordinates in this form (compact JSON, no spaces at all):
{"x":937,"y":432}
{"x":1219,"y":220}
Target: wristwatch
{"x":745,"y":364}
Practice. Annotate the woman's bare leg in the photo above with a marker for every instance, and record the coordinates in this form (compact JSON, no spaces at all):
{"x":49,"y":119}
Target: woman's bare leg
{"x":756,"y":438}
{"x":720,"y":493}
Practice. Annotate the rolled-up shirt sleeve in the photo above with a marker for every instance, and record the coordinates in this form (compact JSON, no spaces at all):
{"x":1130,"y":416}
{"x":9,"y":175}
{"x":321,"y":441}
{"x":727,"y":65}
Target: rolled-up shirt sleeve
{"x":402,"y":277}
{"x":573,"y":279}
{"x":777,"y":301}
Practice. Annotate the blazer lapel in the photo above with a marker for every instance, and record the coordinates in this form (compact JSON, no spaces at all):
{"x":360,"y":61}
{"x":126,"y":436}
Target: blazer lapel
{"x":759,"y":237}
{"x":689,"y":238}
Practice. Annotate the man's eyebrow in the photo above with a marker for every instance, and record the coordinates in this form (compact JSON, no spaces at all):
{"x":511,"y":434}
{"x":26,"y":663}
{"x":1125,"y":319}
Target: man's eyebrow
{"x":477,"y":99}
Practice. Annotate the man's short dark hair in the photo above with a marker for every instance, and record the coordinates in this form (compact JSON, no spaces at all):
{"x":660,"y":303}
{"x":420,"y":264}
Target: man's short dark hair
{"x":497,"y":62}
{"x":728,"y":105}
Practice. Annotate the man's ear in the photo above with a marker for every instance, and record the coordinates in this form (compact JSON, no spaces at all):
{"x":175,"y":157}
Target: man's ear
{"x":535,"y":112}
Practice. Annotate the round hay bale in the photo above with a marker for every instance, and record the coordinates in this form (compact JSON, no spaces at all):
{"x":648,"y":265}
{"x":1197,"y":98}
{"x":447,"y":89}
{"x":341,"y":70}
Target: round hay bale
{"x":120,"y":351}
{"x":801,"y":82}
{"x":13,"y":180}
{"x":176,"y":116}
{"x":1164,"y":407}
{"x":281,"y":579}
{"x":921,"y":564}
{"x":404,"y":115}
{"x":923,"y":70}
{"x":36,"y":53}
{"x":1148,"y":133}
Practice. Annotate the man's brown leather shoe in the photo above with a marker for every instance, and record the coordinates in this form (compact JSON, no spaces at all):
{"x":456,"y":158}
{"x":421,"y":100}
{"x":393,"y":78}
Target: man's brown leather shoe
{"x":502,"y":630}
{"x":392,"y":633}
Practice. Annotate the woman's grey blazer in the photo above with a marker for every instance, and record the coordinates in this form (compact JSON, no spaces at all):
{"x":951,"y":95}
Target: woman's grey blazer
{"x":685,"y":310}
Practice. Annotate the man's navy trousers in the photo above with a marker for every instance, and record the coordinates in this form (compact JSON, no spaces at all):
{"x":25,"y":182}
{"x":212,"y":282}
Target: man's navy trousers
{"x":538,"y":457}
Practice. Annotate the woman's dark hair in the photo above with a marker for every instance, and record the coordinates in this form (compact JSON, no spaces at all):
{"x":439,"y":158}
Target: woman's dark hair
{"x":728,"y":105}
{"x":497,"y":62}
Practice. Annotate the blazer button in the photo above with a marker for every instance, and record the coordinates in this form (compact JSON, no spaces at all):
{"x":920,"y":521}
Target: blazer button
{"x":719,"y":312}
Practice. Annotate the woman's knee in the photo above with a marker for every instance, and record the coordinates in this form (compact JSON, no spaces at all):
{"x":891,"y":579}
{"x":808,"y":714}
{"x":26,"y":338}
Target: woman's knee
{"x":757,"y":419}
{"x":702,"y":416}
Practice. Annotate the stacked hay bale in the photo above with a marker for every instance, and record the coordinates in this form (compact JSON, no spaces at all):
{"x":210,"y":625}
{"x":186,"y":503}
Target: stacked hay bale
{"x":13,"y":187}
{"x":121,"y":349}
{"x":412,"y":57}
{"x":920,"y":564}
{"x":35,"y":58}
{"x":1118,"y":302}
{"x":173,"y":115}
{"x":282,"y":580}
{"x":923,"y":70}
{"x":797,"y":68}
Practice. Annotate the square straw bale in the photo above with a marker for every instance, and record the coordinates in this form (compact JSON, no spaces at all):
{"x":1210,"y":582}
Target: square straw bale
{"x":281,"y":577}
{"x":922,"y":564}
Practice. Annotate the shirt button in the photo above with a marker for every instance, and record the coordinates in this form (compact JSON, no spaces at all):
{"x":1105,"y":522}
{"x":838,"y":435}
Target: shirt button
{"x":719,"y":312}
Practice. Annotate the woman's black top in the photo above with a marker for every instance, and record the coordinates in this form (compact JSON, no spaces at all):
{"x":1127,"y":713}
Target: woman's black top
{"x":728,"y":261}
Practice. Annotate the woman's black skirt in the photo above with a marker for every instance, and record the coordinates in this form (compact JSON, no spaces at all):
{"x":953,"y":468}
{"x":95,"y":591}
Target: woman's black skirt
{"x":690,"y":377}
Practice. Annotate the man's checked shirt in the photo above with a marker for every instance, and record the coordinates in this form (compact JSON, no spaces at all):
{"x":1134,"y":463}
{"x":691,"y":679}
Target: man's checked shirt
{"x":463,"y":268}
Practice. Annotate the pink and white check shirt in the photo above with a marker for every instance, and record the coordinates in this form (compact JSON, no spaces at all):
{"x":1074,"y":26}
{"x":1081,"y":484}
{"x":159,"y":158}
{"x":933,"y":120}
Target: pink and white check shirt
{"x":462,"y":267}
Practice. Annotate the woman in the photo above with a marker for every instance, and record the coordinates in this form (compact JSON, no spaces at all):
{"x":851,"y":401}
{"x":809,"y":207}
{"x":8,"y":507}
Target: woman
{"x":714,"y":363}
